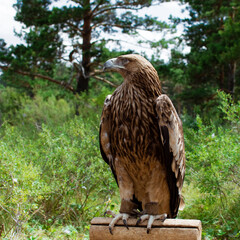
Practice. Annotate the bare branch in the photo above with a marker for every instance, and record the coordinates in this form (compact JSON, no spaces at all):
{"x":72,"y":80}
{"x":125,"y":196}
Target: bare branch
{"x":61,"y":83}
{"x":74,"y":27}
{"x":14,"y":219}
{"x":124,"y":41}
{"x":120,"y":26}
{"x":97,"y":7}
{"x":110,"y":8}
{"x":104,"y":80}
{"x":79,"y":2}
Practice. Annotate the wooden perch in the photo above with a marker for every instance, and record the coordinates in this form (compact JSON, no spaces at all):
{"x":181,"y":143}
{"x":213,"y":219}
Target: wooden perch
{"x":170,"y":229}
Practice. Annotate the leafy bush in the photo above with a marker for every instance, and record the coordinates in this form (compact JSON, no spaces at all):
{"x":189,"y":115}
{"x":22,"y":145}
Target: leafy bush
{"x":54,"y":181}
{"x":212,"y":180}
{"x":10,"y":103}
{"x":50,"y":111}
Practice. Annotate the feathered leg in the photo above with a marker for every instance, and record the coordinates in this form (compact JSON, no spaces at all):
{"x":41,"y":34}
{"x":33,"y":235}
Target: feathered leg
{"x":128,"y":207}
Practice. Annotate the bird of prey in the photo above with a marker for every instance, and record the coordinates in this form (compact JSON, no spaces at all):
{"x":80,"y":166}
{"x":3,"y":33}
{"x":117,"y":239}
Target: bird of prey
{"x":141,"y":139}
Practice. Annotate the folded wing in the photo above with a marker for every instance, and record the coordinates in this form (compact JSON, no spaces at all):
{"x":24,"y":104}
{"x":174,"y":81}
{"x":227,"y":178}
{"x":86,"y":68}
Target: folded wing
{"x":171,"y":132}
{"x":104,"y":135}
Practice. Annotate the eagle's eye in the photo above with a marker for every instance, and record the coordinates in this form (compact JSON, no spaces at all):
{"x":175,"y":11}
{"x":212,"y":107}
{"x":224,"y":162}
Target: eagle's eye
{"x":124,"y":61}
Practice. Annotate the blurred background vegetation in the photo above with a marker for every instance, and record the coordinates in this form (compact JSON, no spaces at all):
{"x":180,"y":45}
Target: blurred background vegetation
{"x":52,"y":178}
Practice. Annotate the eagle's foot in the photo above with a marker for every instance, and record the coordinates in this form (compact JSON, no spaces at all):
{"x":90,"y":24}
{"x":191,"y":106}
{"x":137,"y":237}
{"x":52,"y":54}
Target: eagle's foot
{"x":116,"y":218}
{"x":127,"y":209}
{"x":151,"y":219}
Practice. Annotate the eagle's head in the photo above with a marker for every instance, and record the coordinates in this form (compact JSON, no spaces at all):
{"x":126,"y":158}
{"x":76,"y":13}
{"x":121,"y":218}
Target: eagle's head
{"x":129,"y":65}
{"x":137,"y":71}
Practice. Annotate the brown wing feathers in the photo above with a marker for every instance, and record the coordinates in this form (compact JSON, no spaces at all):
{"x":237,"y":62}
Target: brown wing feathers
{"x":168,"y":158}
{"x":104,"y":135}
{"x":172,"y":139}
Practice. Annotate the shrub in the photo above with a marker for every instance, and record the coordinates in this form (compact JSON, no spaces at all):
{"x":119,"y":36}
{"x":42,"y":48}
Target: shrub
{"x":56,"y":180}
{"x":10,"y":103}
{"x":53,"y":180}
{"x":212,"y":180}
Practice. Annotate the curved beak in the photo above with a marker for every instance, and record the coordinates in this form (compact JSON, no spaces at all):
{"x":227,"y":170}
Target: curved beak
{"x":113,"y":64}
{"x":110,"y":64}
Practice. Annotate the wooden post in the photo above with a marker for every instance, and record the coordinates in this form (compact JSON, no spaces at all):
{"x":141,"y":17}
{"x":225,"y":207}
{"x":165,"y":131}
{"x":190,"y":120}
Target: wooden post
{"x":170,"y":229}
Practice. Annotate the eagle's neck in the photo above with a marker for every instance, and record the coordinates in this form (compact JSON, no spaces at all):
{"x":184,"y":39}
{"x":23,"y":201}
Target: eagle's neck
{"x":147,"y":82}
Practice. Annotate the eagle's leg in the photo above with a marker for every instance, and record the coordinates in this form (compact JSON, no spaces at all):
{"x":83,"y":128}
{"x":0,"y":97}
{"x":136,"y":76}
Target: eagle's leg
{"x":126,"y":210}
{"x":151,"y":210}
{"x":128,"y":206}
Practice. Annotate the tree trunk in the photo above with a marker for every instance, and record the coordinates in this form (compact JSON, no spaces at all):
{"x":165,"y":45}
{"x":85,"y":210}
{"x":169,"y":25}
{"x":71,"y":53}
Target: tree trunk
{"x":231,"y":77}
{"x":233,"y":64}
{"x":82,"y":83}
{"x":221,"y":78}
{"x":83,"y":77}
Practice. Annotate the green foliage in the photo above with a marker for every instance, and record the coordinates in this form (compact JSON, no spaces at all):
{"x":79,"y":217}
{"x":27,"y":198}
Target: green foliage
{"x":230,"y":109}
{"x":212,"y":181}
{"x":49,"y":111}
{"x":39,"y":53}
{"x":53,"y":180}
{"x":21,"y":109}
{"x":212,"y":31}
{"x":4,"y":52}
{"x":10,"y":102}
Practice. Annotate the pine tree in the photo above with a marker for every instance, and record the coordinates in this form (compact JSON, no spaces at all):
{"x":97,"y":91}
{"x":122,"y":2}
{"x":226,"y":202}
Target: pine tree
{"x":213,"y":34}
{"x":85,"y":23}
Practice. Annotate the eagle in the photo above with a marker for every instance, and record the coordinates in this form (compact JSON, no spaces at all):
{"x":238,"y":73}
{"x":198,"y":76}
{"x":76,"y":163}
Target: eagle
{"x":141,"y":139}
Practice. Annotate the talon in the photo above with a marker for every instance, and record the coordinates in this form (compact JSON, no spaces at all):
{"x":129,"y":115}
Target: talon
{"x":151,"y":219}
{"x":138,"y":221}
{"x":110,"y":230}
{"x":164,"y":217}
{"x":123,"y":216}
{"x":125,"y":223}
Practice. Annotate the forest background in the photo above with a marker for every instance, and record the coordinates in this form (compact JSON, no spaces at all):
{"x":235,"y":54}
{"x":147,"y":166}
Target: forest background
{"x":53,"y":180}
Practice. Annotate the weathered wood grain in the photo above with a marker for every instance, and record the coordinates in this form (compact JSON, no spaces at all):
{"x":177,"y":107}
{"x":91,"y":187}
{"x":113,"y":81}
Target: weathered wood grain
{"x":170,"y":229}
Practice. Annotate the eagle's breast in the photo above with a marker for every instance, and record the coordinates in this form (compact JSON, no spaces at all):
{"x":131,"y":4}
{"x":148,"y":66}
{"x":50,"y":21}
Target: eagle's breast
{"x":135,"y":133}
